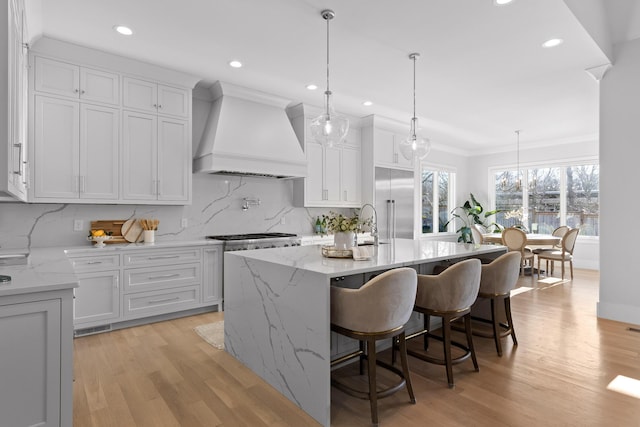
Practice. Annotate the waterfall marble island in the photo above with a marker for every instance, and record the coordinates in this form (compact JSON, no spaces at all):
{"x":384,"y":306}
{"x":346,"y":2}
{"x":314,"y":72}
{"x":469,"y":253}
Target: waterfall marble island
{"x":277,"y":308}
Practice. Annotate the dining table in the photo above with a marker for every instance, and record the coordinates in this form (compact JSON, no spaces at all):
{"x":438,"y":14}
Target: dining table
{"x":533,"y":239}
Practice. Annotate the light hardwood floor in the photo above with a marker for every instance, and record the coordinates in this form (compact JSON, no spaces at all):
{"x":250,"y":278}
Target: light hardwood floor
{"x":163,"y":374}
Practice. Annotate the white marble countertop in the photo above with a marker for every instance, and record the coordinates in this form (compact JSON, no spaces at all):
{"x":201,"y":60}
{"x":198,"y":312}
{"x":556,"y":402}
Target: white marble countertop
{"x":47,"y":269}
{"x":93,"y":250}
{"x":398,"y":253}
{"x":50,"y":269}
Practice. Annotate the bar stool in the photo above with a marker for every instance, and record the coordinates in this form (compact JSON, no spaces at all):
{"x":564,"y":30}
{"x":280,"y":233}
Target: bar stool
{"x":377,"y":310}
{"x":496,"y":283}
{"x":449,"y":295}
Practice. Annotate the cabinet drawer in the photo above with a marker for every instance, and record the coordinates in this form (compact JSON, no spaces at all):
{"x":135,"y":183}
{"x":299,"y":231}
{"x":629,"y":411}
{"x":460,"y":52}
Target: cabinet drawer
{"x":143,"y":304}
{"x":158,"y":257}
{"x":95,"y":263}
{"x":142,"y":279}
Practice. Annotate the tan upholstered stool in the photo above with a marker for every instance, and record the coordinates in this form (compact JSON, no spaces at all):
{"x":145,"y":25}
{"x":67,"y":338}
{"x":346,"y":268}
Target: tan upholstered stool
{"x":377,"y":310}
{"x":496,"y":283}
{"x":448,"y":295}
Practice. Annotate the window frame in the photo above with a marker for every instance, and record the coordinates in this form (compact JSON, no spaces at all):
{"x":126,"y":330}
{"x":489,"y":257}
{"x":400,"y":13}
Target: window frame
{"x":437,"y":169}
{"x":524,"y":170}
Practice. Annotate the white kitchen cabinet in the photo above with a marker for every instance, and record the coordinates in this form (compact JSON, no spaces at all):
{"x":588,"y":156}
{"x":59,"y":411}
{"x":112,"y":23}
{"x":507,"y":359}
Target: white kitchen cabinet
{"x":154,"y":97}
{"x":387,"y":149}
{"x":36,"y":368}
{"x":75,"y":151}
{"x":156,"y":158}
{"x":13,"y":107}
{"x":212,"y":275}
{"x":70,"y":80}
{"x":97,"y":298}
{"x":333,"y":173}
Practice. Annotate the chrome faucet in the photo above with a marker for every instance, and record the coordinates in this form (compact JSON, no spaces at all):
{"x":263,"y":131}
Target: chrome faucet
{"x":248,"y":202}
{"x":374,"y":226}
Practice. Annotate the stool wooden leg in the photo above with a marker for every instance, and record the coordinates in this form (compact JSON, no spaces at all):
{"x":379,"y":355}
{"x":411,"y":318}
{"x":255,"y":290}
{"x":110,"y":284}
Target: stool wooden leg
{"x":496,"y":326}
{"x":507,"y":310}
{"x":405,"y":365}
{"x":446,"y":343}
{"x":373,"y":393}
{"x":467,"y":327}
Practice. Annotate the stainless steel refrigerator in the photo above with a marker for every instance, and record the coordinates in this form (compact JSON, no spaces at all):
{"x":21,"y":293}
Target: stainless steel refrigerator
{"x":395,"y":203}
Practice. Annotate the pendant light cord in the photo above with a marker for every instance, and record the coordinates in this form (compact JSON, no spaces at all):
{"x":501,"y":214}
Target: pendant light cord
{"x":328,"y":18}
{"x":414,"y":85}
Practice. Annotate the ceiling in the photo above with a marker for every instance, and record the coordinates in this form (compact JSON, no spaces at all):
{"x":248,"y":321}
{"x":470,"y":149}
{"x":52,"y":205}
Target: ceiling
{"x":482,"y":72}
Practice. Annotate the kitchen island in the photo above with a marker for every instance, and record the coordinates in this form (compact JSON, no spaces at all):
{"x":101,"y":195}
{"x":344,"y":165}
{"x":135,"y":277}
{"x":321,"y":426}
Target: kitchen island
{"x":277,"y":308}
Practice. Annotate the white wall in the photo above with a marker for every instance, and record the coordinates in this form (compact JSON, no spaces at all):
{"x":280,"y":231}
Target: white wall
{"x":619,"y":178}
{"x":587,"y":253}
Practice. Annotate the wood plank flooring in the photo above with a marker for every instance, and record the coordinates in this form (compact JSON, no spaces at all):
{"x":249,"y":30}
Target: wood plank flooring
{"x":163,"y":374}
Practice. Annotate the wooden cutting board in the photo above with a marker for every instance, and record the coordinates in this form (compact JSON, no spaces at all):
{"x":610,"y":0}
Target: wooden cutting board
{"x":113,"y":226}
{"x":132,"y":231}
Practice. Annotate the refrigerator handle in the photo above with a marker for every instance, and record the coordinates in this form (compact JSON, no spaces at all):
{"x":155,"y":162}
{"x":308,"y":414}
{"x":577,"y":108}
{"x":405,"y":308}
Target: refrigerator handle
{"x":389,"y":219}
{"x":393,"y":221}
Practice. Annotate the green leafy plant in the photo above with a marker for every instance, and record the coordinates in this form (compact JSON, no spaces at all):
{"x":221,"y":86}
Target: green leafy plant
{"x":336,"y":222}
{"x":470,"y":213}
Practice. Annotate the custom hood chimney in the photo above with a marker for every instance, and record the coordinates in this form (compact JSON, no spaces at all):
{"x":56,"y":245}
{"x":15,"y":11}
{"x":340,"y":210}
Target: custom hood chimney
{"x":248,"y":133}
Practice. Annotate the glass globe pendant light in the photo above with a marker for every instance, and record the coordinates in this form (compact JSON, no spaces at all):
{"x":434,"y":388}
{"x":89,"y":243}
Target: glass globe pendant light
{"x":414,"y":146}
{"x":329,"y":128}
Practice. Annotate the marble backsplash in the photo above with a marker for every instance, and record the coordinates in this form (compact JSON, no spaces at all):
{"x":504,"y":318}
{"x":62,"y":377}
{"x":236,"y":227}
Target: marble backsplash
{"x":216,"y":209}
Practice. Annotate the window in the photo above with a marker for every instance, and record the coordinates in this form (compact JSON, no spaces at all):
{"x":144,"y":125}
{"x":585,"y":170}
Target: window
{"x":437,"y":194}
{"x":548,"y":197}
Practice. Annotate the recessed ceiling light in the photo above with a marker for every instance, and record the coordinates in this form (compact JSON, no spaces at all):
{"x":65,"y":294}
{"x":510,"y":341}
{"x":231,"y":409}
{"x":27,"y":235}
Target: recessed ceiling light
{"x":125,"y":31}
{"x":235,"y":64}
{"x":501,"y":2}
{"x":552,"y":43}
{"x":312,"y":86}
{"x":367,"y":103}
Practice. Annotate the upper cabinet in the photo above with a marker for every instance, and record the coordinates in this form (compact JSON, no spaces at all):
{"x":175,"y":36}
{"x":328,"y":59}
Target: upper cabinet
{"x":386,"y":146}
{"x":63,"y":79}
{"x":13,"y":102}
{"x":333,"y":174}
{"x":100,"y":135}
{"x":157,"y":98}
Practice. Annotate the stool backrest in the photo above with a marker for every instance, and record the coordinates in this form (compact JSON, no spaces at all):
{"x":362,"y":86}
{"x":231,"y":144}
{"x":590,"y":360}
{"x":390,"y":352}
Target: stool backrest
{"x":501,"y":275}
{"x":382,"y":304}
{"x":456,"y":288}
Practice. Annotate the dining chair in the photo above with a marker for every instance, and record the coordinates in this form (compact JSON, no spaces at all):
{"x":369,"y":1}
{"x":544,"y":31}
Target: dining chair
{"x":516,"y":240}
{"x":377,"y":310}
{"x":563,"y":255}
{"x":496,"y":282}
{"x":558,"y":232}
{"x":448,"y":295}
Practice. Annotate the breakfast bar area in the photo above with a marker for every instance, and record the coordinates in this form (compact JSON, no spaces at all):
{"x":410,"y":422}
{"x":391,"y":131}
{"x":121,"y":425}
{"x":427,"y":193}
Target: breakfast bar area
{"x":277,"y":314}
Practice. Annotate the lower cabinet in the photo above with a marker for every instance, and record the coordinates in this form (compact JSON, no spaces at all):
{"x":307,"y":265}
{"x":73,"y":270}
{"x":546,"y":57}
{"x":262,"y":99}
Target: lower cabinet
{"x":138,"y":283}
{"x":36,"y":368}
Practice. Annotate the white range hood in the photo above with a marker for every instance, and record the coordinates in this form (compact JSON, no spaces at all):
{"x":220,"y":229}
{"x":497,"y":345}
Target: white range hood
{"x":248,"y":133}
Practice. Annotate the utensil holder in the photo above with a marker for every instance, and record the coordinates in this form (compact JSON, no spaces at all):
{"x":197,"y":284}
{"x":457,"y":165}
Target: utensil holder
{"x":149,"y":236}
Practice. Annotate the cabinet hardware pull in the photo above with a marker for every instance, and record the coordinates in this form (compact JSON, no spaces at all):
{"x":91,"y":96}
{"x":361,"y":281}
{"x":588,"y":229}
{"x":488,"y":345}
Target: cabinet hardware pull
{"x":163,"y":257}
{"x":76,"y":91}
{"x":117,"y":282}
{"x":155,"y":105}
{"x":82,"y":184}
{"x":163,"y":300}
{"x":82,"y":91}
{"x":164,"y":276}
{"x":94,"y":262}
{"x":20,"y":162}
{"x":159,"y":105}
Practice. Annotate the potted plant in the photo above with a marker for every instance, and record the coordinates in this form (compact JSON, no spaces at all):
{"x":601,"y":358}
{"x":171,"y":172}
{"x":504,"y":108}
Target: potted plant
{"x":470,"y":213}
{"x":344,"y":228}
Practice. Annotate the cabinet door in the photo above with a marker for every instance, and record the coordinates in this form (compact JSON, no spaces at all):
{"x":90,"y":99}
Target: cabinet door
{"x":99,"y":86}
{"x":140,"y":94}
{"x":383,"y":146}
{"x":99,"y":130}
{"x":56,"y":143}
{"x":350,"y":176}
{"x":314,"y":185}
{"x":58,"y":78}
{"x":173,"y":101}
{"x":332,"y":176}
{"x":30,"y":390}
{"x":174,"y":159}
{"x":139,"y":159}
{"x":97,"y":298}
{"x":212,"y":275}
{"x":398,"y":157}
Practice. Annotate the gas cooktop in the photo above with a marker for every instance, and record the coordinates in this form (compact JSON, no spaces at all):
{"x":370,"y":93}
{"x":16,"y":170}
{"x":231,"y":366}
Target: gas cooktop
{"x":251,"y":236}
